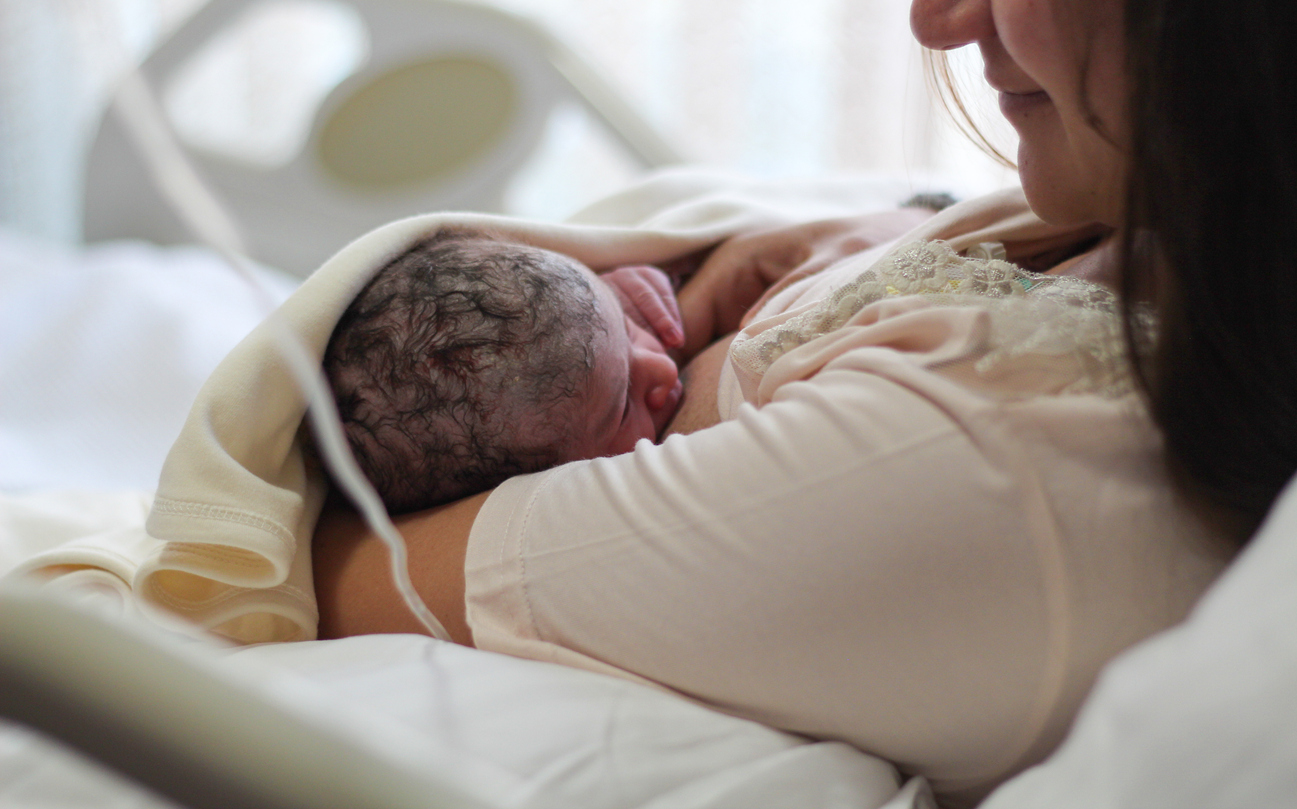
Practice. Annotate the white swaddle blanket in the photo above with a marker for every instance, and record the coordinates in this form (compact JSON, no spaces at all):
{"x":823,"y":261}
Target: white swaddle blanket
{"x":227,"y":541}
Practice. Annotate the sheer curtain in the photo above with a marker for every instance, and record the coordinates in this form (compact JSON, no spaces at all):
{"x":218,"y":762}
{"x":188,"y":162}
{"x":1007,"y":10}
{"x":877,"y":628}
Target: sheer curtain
{"x":784,"y":87}
{"x":768,"y":88}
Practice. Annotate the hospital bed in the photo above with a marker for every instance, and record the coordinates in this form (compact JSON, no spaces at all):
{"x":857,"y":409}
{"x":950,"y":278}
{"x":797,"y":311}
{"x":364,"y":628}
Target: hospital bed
{"x":1204,"y":715}
{"x":448,"y":104}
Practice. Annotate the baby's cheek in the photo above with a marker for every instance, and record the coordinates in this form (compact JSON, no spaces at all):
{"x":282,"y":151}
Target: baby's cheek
{"x":626,"y":441}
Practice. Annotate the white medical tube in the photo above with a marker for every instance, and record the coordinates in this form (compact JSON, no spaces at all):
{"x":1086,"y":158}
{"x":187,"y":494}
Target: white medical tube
{"x":198,"y":208}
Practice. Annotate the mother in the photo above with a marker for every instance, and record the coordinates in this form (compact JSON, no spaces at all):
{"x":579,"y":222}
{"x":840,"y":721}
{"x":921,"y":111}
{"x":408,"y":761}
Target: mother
{"x":949,"y":509}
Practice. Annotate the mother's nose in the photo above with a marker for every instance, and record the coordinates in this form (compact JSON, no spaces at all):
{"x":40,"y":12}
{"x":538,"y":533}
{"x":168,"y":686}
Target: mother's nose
{"x":945,"y":24}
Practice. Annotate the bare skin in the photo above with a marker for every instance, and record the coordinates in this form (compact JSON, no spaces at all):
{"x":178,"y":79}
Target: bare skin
{"x":353,"y":581}
{"x":700,"y":377}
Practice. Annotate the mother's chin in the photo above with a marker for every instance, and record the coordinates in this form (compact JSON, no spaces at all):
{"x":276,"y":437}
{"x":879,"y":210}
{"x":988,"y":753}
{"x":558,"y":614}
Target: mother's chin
{"x":1065,"y":188}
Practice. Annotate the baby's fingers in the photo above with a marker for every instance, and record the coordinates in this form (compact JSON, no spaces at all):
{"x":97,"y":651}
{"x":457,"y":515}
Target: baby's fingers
{"x":648,"y":299}
{"x":661,"y":308}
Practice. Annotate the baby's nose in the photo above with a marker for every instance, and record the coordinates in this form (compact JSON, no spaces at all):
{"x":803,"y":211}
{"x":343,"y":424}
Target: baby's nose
{"x":661,"y":379}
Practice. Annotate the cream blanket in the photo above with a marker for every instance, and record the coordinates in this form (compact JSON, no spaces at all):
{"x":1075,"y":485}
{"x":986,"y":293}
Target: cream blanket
{"x":227,"y":541}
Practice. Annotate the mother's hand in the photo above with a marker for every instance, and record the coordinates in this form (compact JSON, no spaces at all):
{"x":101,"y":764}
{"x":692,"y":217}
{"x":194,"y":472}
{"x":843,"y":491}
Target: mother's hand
{"x":743,"y":270}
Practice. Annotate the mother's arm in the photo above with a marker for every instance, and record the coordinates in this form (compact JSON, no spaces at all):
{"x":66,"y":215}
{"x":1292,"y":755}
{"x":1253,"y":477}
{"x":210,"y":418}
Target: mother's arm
{"x":352,"y":575}
{"x":353,"y":580}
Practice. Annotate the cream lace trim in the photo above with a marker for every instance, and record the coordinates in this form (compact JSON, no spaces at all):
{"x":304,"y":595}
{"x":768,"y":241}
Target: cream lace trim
{"x":1031,"y":314}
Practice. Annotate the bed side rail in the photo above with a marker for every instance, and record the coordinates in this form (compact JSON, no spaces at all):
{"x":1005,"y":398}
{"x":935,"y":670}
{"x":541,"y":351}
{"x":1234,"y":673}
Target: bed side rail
{"x":154,"y":712}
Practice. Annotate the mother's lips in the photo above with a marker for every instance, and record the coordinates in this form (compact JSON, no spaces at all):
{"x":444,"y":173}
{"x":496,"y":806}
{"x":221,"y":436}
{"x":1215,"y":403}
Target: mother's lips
{"x":1014,"y":103}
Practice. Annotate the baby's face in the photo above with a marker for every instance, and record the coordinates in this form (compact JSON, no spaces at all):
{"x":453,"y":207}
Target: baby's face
{"x":634,"y":386}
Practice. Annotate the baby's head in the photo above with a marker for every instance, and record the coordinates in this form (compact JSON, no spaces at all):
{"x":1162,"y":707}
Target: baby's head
{"x":469,"y":359}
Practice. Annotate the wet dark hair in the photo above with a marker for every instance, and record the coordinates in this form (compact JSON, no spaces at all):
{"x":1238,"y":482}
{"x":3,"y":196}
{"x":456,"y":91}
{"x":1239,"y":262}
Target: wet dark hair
{"x":1212,"y":205}
{"x":454,"y":367}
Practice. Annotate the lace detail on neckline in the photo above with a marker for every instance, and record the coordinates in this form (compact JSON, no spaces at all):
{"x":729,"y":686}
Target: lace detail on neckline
{"x":1032,"y":315}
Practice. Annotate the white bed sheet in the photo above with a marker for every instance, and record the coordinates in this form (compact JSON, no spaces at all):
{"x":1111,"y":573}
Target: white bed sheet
{"x":570,"y":738}
{"x":101,"y":354}
{"x":515,"y":732}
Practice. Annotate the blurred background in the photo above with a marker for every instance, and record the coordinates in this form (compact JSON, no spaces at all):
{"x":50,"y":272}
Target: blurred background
{"x":766,"y":88}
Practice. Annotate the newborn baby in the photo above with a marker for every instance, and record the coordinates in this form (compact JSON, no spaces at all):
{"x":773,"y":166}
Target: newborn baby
{"x":469,"y":359}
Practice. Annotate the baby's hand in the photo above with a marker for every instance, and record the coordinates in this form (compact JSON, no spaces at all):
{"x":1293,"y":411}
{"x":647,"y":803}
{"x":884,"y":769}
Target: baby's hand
{"x":647,"y":298}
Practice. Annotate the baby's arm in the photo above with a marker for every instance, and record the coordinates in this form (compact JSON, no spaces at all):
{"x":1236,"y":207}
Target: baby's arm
{"x":647,"y":298}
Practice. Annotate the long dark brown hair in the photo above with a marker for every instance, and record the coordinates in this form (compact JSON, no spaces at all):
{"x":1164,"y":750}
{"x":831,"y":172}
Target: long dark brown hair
{"x":1211,"y":218}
